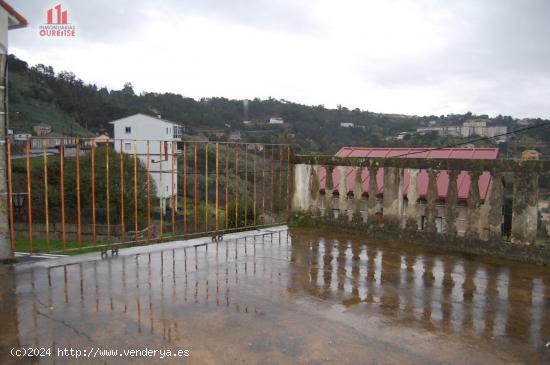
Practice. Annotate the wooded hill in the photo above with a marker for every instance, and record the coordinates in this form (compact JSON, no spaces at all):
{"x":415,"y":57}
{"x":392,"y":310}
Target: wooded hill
{"x":73,"y":107}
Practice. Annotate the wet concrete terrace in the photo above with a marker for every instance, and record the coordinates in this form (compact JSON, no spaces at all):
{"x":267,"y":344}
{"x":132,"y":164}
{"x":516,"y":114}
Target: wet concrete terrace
{"x":283,"y":297}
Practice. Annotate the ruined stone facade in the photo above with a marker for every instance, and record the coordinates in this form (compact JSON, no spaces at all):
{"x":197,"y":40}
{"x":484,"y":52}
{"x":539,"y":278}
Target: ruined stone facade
{"x":472,"y":219}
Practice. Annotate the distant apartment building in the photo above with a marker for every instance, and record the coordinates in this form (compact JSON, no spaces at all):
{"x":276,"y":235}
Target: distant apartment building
{"x":132,"y":134}
{"x":347,"y":125}
{"x":467,"y":129}
{"x":480,"y":128}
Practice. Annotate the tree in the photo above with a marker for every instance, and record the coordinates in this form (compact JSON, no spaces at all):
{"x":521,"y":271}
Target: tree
{"x":128,"y":89}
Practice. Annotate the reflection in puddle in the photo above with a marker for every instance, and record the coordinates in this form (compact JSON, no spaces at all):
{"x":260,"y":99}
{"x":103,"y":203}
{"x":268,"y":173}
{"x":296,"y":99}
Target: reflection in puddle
{"x":440,"y":291}
{"x":248,"y":291}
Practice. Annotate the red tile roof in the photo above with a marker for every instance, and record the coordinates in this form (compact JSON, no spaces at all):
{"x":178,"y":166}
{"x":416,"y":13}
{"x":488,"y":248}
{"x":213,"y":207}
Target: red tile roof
{"x":463,"y":182}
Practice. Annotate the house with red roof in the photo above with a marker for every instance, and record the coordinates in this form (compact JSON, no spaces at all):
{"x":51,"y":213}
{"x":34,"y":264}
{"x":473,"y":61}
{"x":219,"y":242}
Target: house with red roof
{"x":463,"y":181}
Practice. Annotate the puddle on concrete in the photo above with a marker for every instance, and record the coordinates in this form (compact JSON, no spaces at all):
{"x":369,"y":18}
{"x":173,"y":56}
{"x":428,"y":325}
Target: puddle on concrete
{"x":299,"y":296}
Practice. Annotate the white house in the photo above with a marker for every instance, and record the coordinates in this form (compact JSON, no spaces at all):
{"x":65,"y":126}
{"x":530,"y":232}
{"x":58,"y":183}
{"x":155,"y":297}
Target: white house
{"x":276,"y":120}
{"x":235,"y":136}
{"x":347,"y":125}
{"x":21,"y":136}
{"x":162,"y":135}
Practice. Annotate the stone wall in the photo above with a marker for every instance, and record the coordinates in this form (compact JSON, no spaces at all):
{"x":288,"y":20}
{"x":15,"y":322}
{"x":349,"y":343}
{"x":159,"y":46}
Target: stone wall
{"x":476,"y":220}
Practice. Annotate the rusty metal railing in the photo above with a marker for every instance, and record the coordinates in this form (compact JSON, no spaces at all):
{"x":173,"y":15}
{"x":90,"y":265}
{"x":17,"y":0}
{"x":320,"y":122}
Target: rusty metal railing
{"x":64,"y":194}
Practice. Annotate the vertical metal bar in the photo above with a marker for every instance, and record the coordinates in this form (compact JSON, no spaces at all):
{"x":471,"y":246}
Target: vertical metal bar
{"x":195,"y":192}
{"x":122,"y":226}
{"x":108,"y":192}
{"x":280,"y":180}
{"x":172,"y":199}
{"x":217,"y":185}
{"x":10,"y":192}
{"x":148,"y":191}
{"x":62,"y":189}
{"x":29,"y":197}
{"x":272,"y":185}
{"x":78,"y":222}
{"x":135,"y":193}
{"x":46,"y":198}
{"x":254,"y":193}
{"x":263,"y":185}
{"x":245,"y":185}
{"x":226,"y":186}
{"x":236,"y":185}
{"x":184,"y":188}
{"x":206,"y":188}
{"x":161,"y":187}
{"x":93,"y":195}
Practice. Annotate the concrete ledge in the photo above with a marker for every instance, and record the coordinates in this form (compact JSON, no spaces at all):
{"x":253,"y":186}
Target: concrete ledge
{"x":136,"y":250}
{"x":539,"y":166}
{"x":539,"y":255}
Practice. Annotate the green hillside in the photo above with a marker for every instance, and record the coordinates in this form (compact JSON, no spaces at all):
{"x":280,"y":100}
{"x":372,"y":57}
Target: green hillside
{"x":39,"y":94}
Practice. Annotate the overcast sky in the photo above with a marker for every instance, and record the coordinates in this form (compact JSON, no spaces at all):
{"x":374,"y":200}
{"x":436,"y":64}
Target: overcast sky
{"x":413,"y":57}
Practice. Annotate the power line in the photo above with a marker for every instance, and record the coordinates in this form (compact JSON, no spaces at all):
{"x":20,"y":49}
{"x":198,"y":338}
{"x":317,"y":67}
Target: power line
{"x":476,"y":140}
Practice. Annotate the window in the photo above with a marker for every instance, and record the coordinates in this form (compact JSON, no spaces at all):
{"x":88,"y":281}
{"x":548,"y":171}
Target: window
{"x":127,"y":147}
{"x":167,"y":130}
{"x":128,"y":130}
{"x":439,"y":222}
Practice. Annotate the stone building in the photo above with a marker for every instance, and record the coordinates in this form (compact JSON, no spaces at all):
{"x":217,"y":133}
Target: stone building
{"x":53,"y":140}
{"x":42,"y":129}
{"x":422,"y":179}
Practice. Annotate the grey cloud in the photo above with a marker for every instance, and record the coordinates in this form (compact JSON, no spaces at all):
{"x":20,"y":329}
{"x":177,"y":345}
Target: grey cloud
{"x":122,"y":20}
{"x":273,"y":15}
{"x":498,"y":49}
{"x":97,"y":21}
